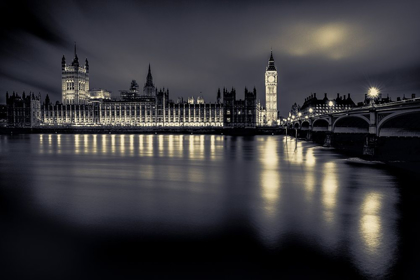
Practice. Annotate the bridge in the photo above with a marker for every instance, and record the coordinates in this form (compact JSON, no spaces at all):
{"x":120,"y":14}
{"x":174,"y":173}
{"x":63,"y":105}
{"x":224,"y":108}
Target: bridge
{"x":369,"y":123}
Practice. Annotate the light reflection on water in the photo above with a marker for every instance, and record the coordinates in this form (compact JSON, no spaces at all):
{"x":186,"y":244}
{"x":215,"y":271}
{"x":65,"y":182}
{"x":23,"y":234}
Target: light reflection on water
{"x":191,"y":184}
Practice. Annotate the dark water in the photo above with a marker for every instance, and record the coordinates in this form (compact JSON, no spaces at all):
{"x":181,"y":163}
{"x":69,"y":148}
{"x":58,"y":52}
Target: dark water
{"x":200,"y":207}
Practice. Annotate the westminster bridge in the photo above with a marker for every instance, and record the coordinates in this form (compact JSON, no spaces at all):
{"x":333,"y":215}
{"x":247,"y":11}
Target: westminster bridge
{"x":369,"y":129}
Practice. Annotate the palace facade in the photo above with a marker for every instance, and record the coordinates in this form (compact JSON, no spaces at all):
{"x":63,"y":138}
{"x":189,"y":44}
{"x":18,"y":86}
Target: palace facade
{"x":150,"y":107}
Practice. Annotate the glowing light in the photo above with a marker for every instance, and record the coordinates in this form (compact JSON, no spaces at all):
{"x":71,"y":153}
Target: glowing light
{"x":330,"y":103}
{"x":269,"y":157}
{"x":95,"y":148}
{"x":329,"y":191}
{"x":131,"y":145}
{"x":310,"y":158}
{"x":104,"y":143}
{"x":300,"y":114}
{"x":270,"y":186}
{"x":76,"y":143}
{"x":59,"y":143}
{"x":373,"y":92}
{"x":370,"y":223}
{"x":171,"y":145}
{"x":311,"y":110}
{"x":86,"y":143}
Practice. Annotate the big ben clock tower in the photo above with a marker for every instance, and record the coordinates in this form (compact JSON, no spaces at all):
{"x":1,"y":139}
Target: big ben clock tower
{"x":271,"y":92}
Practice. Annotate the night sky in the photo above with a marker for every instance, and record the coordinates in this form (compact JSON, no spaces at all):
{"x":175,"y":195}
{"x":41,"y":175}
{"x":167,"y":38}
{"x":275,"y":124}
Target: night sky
{"x":196,"y":47}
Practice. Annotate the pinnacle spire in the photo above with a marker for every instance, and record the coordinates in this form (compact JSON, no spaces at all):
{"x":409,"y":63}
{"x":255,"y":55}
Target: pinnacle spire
{"x":271,"y":66}
{"x":76,"y":59}
{"x":149,"y":79}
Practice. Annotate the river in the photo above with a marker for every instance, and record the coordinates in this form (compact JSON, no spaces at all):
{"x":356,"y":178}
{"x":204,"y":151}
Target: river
{"x":125,"y":206}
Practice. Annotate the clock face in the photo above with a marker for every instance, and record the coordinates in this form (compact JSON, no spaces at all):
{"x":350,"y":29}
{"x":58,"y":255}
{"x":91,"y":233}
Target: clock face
{"x":271,"y":79}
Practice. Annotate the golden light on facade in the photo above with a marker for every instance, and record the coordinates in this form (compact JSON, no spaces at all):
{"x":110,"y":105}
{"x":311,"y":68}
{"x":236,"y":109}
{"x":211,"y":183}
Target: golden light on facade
{"x":330,"y":103}
{"x":311,"y":110}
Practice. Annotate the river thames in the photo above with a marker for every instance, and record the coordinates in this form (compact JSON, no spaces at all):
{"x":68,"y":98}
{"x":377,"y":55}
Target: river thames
{"x":201,"y":207}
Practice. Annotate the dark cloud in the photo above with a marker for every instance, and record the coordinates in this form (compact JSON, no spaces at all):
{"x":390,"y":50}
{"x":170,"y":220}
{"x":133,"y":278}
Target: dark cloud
{"x":195,"y":47}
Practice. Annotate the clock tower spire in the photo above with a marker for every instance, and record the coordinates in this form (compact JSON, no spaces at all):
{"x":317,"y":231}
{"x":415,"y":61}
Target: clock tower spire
{"x":271,"y":92}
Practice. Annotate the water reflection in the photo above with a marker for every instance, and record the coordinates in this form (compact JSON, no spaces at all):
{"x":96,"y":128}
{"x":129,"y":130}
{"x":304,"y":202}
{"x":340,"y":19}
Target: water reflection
{"x":329,"y":191}
{"x":370,"y":223}
{"x":195,"y":183}
{"x":268,"y":224}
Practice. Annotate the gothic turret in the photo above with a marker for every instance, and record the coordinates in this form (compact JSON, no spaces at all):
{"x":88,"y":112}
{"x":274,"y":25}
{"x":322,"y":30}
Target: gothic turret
{"x":74,"y":81}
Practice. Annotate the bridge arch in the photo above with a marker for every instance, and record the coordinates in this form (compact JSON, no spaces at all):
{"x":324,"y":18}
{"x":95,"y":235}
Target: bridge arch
{"x":305,"y":123}
{"x":351,"y":124}
{"x":320,"y":124}
{"x":400,"y":123}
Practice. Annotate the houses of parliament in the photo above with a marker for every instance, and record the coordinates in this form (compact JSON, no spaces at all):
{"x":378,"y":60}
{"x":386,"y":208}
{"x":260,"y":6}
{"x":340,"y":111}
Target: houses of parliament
{"x":149,"y":107}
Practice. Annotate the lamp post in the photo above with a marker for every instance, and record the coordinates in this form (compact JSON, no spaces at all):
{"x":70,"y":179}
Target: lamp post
{"x":331,"y":104}
{"x":371,"y":138}
{"x":311,"y":111}
{"x":373,"y":94}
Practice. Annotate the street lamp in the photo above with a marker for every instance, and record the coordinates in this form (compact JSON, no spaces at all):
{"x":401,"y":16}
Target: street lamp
{"x":373,"y":94}
{"x":331,"y":104}
{"x":299,"y":114}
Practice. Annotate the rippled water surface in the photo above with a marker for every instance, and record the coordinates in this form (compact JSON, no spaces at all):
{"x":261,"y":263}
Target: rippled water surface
{"x":199,"y":206}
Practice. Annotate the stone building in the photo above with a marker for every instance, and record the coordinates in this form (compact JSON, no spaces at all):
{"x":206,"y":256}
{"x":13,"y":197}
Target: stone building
{"x":74,"y":81}
{"x":271,"y":112}
{"x":148,"y":108}
{"x":23,"y":110}
{"x":240,"y":113}
{"x":315,"y":106}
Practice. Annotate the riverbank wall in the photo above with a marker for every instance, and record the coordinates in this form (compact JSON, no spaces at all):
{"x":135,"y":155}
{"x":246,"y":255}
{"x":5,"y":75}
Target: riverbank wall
{"x":143,"y":130}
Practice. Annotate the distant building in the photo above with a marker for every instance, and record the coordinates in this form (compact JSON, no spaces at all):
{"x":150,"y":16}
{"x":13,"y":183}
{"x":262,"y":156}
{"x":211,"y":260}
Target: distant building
{"x":81,"y":106}
{"x":3,"y":114}
{"x":132,"y":93}
{"x":24,"y":110}
{"x":315,"y":106}
{"x":240,"y":113}
{"x":99,"y":94}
